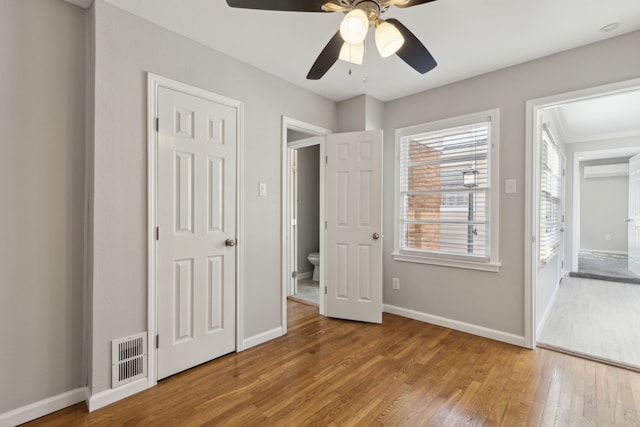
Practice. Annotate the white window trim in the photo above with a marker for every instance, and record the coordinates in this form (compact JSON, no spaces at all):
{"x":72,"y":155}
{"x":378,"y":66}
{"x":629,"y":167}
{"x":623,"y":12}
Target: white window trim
{"x":543,"y":260}
{"x":492,"y":264}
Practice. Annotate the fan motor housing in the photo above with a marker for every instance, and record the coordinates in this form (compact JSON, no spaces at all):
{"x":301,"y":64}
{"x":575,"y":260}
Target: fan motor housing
{"x":370,"y":7}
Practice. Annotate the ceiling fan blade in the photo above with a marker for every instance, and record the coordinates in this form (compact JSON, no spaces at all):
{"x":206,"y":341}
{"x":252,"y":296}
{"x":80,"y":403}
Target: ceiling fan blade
{"x":281,"y":5}
{"x":327,"y":58}
{"x":413,"y":51}
{"x":410,"y":3}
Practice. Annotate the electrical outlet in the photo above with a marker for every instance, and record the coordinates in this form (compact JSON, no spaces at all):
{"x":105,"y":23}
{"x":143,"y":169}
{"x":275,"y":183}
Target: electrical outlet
{"x":608,"y":237}
{"x":395,"y":284}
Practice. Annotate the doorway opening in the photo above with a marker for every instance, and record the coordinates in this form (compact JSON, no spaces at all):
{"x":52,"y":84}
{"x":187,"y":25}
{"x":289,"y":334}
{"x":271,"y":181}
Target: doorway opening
{"x":304,"y":196}
{"x":602,"y":238}
{"x":586,"y":316}
{"x":306,"y":141}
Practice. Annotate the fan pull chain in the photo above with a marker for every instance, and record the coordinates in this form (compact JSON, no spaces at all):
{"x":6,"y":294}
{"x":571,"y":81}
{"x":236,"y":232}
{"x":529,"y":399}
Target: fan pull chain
{"x":364,"y":63}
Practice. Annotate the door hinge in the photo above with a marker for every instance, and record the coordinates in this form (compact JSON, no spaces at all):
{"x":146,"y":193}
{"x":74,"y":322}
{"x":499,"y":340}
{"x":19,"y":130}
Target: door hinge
{"x":326,"y":224}
{"x":157,"y":233}
{"x":326,"y":160}
{"x":157,"y":341}
{"x":325,"y":290}
{"x":294,"y":274}
{"x":157,"y":124}
{"x":562,"y":264}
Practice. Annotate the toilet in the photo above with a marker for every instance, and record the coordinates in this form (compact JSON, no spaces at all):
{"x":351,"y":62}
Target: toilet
{"x":314,"y":258}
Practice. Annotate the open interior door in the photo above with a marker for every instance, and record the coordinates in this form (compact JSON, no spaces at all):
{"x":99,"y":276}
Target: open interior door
{"x":634,"y":215}
{"x":353,"y":257}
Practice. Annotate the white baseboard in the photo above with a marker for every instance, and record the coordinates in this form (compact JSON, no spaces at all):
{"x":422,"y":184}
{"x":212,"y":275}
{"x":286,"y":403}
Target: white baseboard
{"x":603,"y":251}
{"x":262,"y":338}
{"x":305,"y":275}
{"x":547,"y":310}
{"x":457,"y":325}
{"x":107,"y":397}
{"x":39,"y":409}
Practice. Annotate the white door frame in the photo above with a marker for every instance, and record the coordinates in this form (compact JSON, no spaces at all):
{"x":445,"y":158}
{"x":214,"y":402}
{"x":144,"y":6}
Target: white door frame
{"x":532,"y":161}
{"x":286,"y":243}
{"x":292,"y":206}
{"x":292,"y":209}
{"x":585,"y":156}
{"x":563,"y":209}
{"x":154,"y":82}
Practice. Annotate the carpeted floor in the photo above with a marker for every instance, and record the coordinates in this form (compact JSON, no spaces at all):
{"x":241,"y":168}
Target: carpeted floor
{"x":604,"y":266}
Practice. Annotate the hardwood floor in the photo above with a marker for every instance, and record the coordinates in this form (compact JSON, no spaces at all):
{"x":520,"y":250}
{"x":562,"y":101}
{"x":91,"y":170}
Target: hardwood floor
{"x":328,"y":372}
{"x":596,"y":318}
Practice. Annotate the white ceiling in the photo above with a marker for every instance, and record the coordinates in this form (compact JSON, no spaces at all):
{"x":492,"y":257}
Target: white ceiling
{"x":466,"y":37}
{"x":605,"y":117}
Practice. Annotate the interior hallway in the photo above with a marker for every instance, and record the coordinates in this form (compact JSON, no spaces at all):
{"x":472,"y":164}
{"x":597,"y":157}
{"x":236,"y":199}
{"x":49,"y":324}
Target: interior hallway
{"x":595,"y":318}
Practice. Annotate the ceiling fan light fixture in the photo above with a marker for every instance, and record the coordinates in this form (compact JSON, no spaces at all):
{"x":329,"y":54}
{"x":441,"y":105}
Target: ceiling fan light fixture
{"x":354,"y":26}
{"x":388,"y":39}
{"x":353,"y":53}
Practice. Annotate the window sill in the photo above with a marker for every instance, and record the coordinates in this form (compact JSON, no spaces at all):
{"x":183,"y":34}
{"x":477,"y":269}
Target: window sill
{"x":455,"y":263}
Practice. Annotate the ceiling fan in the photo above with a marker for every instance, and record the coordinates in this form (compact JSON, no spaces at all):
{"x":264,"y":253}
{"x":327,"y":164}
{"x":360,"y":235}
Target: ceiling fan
{"x":348,"y":43}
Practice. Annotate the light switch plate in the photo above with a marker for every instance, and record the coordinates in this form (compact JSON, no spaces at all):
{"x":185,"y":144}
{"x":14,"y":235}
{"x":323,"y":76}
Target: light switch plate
{"x":262,"y":189}
{"x":510,"y":186}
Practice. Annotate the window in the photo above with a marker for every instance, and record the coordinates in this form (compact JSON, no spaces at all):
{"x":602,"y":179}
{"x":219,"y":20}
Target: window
{"x":446,"y":212}
{"x":550,"y":197}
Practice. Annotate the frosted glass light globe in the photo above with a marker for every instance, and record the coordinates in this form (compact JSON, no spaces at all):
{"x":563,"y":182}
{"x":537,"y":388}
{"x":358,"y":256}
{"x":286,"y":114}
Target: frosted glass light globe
{"x":354,"y":26}
{"x":388,"y":39}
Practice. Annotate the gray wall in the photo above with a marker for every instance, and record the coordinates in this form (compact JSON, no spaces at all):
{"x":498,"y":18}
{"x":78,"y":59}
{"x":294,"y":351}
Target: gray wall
{"x":308,"y":205}
{"x":360,"y":113}
{"x":126,"y":48}
{"x":42,"y":131}
{"x":42,"y":119}
{"x":604,"y":205}
{"x":492,"y":300}
{"x":570,"y":150}
{"x":374,"y":114}
{"x":352,"y":114}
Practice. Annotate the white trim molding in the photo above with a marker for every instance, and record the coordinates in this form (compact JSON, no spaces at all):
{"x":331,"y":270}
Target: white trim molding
{"x":469,"y":328}
{"x":604,"y":251}
{"x":263,"y":337}
{"x":547,"y":310}
{"x":154,"y":83}
{"x":43,"y":407}
{"x":492,"y":267}
{"x":533,"y":109}
{"x":297,"y":125}
{"x":491,"y":262}
{"x":112,"y":395}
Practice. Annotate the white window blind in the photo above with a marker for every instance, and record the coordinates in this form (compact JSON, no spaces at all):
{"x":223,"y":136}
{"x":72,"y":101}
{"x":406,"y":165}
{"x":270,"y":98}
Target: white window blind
{"x":550,"y":188}
{"x":444,"y":193}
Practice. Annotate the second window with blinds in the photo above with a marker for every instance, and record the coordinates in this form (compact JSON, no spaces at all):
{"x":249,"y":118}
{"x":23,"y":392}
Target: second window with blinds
{"x":447,"y":192}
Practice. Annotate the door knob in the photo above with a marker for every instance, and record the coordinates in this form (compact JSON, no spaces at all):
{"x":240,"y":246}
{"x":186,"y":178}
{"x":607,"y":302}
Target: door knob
{"x":230,"y":242}
{"x":375,"y":236}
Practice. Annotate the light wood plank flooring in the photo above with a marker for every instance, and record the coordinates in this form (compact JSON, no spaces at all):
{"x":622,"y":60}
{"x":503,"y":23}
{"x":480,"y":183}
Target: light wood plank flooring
{"x":596,"y":318}
{"x":328,"y":372}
